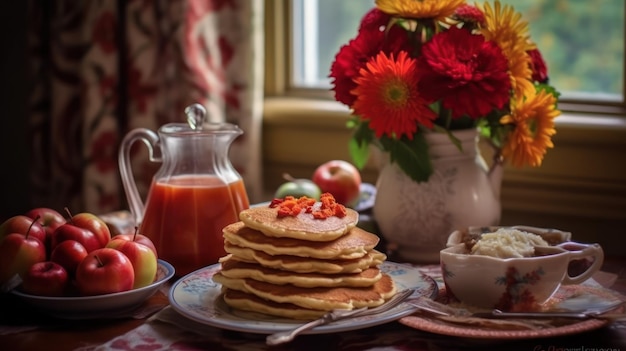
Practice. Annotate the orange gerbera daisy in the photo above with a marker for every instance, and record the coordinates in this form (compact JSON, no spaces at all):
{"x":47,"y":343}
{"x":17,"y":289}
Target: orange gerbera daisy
{"x":387,"y":96}
{"x":505,"y":26}
{"x":437,"y":9}
{"x":533,"y":121}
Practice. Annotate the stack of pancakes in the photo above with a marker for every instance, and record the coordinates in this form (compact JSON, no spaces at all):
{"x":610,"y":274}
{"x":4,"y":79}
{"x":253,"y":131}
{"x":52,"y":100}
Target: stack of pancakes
{"x":298,"y":266}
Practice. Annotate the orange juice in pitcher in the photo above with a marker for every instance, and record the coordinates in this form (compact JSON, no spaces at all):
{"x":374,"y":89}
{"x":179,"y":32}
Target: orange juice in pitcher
{"x":195,"y":193}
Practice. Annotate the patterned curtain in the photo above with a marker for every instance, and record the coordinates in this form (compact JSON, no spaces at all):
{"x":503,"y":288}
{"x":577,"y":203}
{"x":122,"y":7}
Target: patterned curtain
{"x":103,"y":67}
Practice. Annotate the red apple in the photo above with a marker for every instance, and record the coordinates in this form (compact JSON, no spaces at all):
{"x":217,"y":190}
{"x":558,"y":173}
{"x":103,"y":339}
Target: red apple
{"x":69,"y":254}
{"x":17,"y":253}
{"x":341,"y":179}
{"x":94,"y":224}
{"x":104,"y":271}
{"x":69,"y":231}
{"x":21,"y":224}
{"x":49,"y":219}
{"x":139,"y":238}
{"x":45,"y":278}
{"x":141,"y":256}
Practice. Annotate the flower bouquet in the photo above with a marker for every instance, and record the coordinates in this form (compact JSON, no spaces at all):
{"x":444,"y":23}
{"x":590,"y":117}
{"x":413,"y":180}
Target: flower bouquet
{"x":429,"y":66}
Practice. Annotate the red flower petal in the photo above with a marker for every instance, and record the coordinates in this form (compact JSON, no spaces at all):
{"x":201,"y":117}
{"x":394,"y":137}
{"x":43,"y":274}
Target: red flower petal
{"x":538,"y":66}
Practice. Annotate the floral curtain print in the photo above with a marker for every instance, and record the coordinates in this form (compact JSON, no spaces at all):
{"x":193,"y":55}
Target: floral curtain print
{"x":102,"y":68}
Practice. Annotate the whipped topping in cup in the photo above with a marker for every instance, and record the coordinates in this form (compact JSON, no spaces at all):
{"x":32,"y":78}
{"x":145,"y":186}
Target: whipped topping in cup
{"x":508,"y":243}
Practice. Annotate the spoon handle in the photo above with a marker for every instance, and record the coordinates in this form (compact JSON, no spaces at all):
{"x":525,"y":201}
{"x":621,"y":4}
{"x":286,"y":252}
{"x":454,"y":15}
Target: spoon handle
{"x":287,"y":336}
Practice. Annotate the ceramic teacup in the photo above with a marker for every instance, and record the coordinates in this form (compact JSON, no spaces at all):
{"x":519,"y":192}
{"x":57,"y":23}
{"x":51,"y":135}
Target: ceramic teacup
{"x":514,"y":284}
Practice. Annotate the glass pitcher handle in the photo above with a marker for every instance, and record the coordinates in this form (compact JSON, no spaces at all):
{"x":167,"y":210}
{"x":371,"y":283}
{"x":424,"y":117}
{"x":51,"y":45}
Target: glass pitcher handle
{"x":151,"y":139}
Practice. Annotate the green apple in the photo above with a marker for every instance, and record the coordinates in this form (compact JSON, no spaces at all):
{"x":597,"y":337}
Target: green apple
{"x":298,"y":188}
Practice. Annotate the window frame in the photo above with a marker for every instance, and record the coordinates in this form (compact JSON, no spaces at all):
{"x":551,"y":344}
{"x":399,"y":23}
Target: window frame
{"x":279,"y":54}
{"x":279,"y":64}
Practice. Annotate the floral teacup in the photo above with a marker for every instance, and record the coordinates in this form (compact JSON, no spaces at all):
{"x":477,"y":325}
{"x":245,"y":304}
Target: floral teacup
{"x":514,"y":284}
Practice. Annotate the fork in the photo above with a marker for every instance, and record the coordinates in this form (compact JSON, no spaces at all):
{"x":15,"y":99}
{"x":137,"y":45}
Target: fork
{"x":334,"y":315}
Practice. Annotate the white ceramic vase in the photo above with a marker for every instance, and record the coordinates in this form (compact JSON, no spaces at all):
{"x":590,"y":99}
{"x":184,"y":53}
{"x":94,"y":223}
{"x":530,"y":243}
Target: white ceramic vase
{"x":417,"y":218}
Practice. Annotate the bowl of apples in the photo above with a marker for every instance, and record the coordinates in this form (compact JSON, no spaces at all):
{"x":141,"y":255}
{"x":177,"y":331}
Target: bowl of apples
{"x":74,"y":268}
{"x":110,"y":305}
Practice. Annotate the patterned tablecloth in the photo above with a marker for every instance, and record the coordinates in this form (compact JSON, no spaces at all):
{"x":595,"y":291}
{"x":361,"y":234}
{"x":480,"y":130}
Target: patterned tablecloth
{"x":168,"y":330}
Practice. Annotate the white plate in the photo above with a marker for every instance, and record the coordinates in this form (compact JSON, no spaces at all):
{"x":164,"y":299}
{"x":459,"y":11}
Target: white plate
{"x":197,"y":297}
{"x":98,"y":306}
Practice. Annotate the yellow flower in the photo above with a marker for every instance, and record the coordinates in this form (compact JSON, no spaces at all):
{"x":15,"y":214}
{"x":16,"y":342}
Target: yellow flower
{"x":437,"y":9}
{"x":506,"y":28}
{"x":533,"y":121}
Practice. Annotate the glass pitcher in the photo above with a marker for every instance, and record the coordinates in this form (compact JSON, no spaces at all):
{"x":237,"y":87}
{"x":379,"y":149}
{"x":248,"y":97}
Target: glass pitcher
{"x":195,"y":193}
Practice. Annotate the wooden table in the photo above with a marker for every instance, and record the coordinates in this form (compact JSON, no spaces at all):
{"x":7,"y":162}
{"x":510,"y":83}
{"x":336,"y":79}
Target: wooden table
{"x":54,"y":334}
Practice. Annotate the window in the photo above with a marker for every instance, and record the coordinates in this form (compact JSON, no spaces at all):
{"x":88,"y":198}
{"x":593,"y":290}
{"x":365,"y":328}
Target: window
{"x":581,"y":40}
{"x":320,"y":28}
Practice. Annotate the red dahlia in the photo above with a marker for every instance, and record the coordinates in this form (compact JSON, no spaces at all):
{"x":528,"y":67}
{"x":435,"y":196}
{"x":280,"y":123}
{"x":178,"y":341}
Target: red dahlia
{"x":467,"y":73}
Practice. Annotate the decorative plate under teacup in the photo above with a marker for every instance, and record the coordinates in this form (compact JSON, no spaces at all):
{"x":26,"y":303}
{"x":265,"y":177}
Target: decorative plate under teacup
{"x":567,"y":298}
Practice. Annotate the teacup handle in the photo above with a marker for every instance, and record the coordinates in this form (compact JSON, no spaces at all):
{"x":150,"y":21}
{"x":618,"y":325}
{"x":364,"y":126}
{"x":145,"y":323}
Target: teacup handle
{"x":581,"y":251}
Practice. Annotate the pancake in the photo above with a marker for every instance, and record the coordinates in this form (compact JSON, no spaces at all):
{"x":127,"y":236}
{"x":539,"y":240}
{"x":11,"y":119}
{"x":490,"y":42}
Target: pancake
{"x":354,"y":244}
{"x":305,"y":264}
{"x":249,"y":302}
{"x":320,"y":298}
{"x":302,"y":226}
{"x":233,"y":268}
{"x":300,"y":258}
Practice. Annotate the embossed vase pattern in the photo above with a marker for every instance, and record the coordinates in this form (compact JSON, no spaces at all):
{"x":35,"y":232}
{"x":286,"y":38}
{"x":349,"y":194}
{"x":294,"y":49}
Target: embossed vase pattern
{"x":418,"y":217}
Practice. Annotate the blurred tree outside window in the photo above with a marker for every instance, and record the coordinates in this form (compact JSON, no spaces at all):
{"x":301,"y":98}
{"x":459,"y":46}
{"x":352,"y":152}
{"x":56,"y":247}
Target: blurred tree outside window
{"x":582,"y":42}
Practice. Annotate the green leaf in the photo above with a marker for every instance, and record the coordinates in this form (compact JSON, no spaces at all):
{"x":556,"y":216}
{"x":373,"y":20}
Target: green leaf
{"x":359,"y":152}
{"x":411,"y":156}
{"x":353,"y":123}
{"x":358,"y":146}
{"x":363,"y":134}
{"x":548,"y":88}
